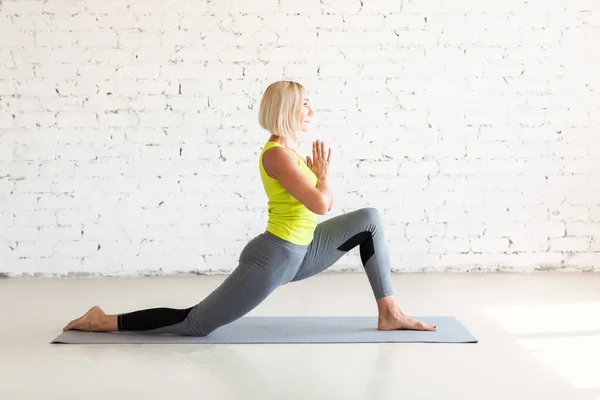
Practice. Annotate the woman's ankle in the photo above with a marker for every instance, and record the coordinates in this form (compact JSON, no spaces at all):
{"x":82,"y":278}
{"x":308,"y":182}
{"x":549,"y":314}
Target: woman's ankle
{"x":387,"y":307}
{"x":105,"y":323}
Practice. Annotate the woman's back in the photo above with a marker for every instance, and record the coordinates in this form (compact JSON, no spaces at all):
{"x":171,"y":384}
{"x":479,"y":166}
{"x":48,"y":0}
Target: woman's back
{"x":289,"y":218}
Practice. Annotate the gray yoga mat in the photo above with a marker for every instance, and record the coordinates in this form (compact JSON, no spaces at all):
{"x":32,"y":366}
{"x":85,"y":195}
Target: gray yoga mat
{"x":290,"y":330}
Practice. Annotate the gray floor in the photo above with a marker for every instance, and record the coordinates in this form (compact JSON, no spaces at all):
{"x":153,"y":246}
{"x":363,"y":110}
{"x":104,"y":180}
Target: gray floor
{"x":539,"y":339}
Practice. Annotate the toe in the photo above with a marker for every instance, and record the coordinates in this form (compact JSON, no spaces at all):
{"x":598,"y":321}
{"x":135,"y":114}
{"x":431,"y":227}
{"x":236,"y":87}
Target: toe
{"x":431,"y":328}
{"x":69,"y":326}
{"x":424,"y":327}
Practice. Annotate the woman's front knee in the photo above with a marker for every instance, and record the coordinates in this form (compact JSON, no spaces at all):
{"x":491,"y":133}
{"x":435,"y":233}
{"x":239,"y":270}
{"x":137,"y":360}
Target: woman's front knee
{"x":372,"y":214}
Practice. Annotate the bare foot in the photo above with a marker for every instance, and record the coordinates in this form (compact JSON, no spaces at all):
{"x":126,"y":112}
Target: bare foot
{"x":89,"y":322}
{"x":398,"y":321}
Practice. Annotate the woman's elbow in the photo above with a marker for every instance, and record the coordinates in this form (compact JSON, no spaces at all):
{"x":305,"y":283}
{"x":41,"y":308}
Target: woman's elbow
{"x":320,"y":208}
{"x":323,"y":207}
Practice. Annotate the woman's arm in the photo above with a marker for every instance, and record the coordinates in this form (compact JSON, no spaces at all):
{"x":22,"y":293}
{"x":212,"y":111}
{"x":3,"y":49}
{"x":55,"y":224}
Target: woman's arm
{"x":283,"y":166}
{"x":323,"y":185}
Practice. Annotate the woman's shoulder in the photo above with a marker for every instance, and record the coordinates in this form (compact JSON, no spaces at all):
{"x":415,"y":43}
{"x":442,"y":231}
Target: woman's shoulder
{"x":276,"y":158}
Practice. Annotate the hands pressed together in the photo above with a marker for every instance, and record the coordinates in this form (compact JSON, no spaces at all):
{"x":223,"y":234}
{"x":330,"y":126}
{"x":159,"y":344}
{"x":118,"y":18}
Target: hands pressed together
{"x":319,"y":164}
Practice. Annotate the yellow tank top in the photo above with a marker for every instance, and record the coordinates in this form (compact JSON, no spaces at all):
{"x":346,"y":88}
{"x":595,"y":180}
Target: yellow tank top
{"x":289,"y":219}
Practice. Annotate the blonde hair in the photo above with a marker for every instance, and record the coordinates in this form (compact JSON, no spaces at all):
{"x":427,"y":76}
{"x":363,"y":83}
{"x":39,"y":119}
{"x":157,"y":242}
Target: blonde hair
{"x":280,"y":108}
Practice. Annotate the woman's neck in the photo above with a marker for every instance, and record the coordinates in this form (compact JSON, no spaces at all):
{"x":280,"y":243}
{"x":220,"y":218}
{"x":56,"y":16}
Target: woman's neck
{"x":287,"y":142}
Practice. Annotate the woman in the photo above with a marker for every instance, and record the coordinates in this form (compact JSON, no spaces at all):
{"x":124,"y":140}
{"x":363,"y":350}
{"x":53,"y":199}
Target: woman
{"x":292,"y":248}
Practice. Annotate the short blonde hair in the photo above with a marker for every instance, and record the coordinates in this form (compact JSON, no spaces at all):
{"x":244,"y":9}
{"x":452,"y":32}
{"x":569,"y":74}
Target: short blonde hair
{"x":280,"y":108}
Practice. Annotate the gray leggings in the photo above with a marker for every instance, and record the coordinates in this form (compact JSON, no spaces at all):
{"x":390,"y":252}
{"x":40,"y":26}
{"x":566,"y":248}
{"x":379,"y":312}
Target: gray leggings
{"x":268,"y":262}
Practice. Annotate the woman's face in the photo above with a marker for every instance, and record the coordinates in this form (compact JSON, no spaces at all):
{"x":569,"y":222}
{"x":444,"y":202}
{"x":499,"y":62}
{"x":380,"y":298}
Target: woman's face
{"x":306,"y":114}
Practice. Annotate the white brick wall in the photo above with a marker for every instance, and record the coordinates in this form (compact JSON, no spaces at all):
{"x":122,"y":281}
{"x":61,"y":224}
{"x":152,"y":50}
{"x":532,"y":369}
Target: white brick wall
{"x":129,"y":134}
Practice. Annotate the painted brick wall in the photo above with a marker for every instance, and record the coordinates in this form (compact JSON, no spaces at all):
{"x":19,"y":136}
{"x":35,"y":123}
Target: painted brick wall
{"x":129,"y":134}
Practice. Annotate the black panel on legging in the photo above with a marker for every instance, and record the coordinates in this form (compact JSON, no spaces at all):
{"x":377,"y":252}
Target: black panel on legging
{"x":365,"y":240}
{"x":153,"y":318}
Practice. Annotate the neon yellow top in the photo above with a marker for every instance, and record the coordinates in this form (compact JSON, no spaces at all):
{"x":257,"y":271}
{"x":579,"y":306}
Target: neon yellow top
{"x":289,"y":219}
